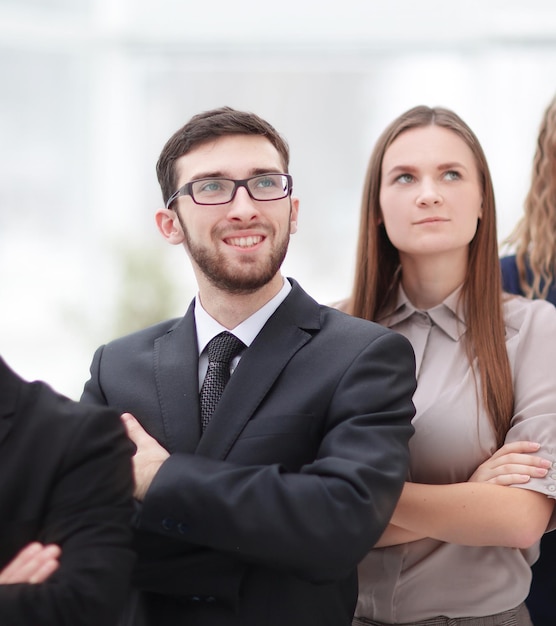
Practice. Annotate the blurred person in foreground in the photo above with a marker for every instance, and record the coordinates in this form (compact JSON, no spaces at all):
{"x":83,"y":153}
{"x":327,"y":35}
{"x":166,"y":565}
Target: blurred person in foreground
{"x":65,"y":508}
{"x":531,"y":272}
{"x":257,"y":512}
{"x":479,"y":496}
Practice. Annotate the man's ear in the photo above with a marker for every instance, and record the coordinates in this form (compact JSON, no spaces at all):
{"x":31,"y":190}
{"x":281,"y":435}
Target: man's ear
{"x":293,"y":215}
{"x":169,"y":226}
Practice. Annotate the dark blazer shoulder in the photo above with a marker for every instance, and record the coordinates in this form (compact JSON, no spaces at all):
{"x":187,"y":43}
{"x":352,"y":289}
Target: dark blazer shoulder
{"x":150,"y":333}
{"x":349,"y":324}
{"x":130,"y":354}
{"x":331,"y":320}
{"x":34,"y":410}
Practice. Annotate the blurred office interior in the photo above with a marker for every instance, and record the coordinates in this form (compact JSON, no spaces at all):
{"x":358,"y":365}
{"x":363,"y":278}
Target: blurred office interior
{"x":92,"y":89}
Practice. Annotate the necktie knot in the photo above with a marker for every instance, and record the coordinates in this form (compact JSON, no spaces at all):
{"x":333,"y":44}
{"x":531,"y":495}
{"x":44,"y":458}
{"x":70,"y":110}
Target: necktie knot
{"x":221,"y":350}
{"x":224,"y":347}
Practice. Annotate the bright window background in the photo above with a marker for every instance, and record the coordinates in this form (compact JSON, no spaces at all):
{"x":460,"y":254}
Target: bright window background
{"x":91,"y":90}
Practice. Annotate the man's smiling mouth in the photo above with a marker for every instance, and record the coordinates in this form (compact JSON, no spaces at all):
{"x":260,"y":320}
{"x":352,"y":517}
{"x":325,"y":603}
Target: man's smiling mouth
{"x":244,"y":242}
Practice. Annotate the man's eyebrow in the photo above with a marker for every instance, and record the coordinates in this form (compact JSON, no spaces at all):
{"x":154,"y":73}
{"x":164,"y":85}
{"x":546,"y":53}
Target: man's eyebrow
{"x":266,"y":170}
{"x":255,"y":171}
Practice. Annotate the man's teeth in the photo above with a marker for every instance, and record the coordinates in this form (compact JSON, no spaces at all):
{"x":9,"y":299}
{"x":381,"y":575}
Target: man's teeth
{"x":245,"y":242}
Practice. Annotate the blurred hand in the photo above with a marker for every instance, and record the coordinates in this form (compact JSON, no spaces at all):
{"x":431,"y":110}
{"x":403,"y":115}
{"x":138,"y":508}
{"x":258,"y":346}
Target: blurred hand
{"x":514,"y":463}
{"x":34,"y":564}
{"x":149,"y":457}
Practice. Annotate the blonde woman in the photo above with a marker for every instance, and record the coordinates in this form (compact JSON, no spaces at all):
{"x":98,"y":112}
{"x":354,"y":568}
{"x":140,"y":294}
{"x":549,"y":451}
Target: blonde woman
{"x":479,"y":494}
{"x":531,"y":272}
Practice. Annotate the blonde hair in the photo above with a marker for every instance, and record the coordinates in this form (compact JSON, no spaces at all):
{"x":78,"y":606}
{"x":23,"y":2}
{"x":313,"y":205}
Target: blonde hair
{"x":378,"y":270}
{"x":535,"y":233}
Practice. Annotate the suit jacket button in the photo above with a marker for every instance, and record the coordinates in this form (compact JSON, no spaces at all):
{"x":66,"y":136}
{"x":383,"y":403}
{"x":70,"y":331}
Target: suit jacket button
{"x":168,"y":523}
{"x":182,"y":528}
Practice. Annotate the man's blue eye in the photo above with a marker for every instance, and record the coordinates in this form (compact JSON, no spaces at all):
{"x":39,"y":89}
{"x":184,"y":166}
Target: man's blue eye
{"x":211,"y":186}
{"x":266,"y":182}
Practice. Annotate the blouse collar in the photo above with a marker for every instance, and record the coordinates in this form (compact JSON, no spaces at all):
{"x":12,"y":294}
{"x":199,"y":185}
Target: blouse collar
{"x":448,"y":315}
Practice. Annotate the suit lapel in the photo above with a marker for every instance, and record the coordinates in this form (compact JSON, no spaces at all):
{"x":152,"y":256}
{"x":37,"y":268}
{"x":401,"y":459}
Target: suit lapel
{"x":288,"y":330}
{"x":176,"y":367}
{"x":10,"y":385}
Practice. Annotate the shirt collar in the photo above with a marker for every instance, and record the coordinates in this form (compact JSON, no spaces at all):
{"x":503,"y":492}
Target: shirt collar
{"x":208,"y":327}
{"x":448,"y":315}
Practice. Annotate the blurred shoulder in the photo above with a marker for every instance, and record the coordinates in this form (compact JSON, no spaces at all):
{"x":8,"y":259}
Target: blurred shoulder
{"x":522,"y":314}
{"x":510,"y":275}
{"x":508,"y":263}
{"x":60,"y":412}
{"x":49,"y":425}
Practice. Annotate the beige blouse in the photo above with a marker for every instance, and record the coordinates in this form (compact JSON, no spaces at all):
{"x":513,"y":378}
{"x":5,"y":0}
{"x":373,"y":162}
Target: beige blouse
{"x":426,"y":578}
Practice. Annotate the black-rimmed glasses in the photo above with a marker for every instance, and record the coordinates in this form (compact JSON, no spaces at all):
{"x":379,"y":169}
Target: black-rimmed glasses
{"x":211,"y":191}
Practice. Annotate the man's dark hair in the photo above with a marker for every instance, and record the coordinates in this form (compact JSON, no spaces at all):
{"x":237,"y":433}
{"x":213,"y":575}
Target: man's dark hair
{"x":211,"y":125}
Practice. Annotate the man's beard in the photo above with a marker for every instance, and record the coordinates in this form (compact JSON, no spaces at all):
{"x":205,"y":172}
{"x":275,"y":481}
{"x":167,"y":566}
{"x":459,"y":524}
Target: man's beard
{"x":247,"y":277}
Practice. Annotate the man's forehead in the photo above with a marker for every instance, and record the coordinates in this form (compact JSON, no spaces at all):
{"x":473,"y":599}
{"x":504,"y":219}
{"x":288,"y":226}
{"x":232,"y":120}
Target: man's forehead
{"x":231,"y":155}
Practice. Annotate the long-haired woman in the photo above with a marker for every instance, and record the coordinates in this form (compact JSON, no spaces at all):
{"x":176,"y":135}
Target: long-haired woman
{"x":480,"y":493}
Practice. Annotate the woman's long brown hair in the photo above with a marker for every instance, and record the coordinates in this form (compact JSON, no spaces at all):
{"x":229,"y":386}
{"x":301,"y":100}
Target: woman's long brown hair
{"x":378,"y":270}
{"x":535,"y":233}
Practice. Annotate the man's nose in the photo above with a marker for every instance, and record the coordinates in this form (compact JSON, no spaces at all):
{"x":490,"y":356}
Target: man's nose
{"x":242,"y":206}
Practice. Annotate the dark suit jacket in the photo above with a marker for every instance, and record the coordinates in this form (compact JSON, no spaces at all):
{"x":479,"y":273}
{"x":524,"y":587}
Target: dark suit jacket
{"x":263,"y":519}
{"x":65,"y":478}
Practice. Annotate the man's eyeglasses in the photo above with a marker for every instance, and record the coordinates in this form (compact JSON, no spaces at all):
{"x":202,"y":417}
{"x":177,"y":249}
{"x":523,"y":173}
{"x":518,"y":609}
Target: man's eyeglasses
{"x":209,"y":191}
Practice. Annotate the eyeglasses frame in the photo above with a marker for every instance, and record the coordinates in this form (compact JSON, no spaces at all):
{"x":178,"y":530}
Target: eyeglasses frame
{"x":185,"y":190}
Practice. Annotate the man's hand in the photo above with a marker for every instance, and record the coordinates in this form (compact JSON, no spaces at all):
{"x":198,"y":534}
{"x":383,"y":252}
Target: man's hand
{"x":34,"y":564}
{"x":514,"y":463}
{"x":149,"y":457}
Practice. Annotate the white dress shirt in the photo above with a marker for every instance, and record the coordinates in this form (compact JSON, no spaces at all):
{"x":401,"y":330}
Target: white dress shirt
{"x":208,"y":328}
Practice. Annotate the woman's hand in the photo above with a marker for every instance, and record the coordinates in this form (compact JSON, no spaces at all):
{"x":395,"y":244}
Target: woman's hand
{"x":514,"y":463}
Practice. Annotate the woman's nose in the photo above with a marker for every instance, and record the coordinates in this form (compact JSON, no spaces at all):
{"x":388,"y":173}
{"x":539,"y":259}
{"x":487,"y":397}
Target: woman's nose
{"x":429,"y":195}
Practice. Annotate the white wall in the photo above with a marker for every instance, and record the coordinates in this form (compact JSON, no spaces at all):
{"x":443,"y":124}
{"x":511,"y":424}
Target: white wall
{"x":92,"y":90}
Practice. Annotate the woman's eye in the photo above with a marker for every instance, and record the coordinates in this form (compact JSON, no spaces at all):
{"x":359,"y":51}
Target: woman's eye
{"x":452,"y":175}
{"x":404,"y":178}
